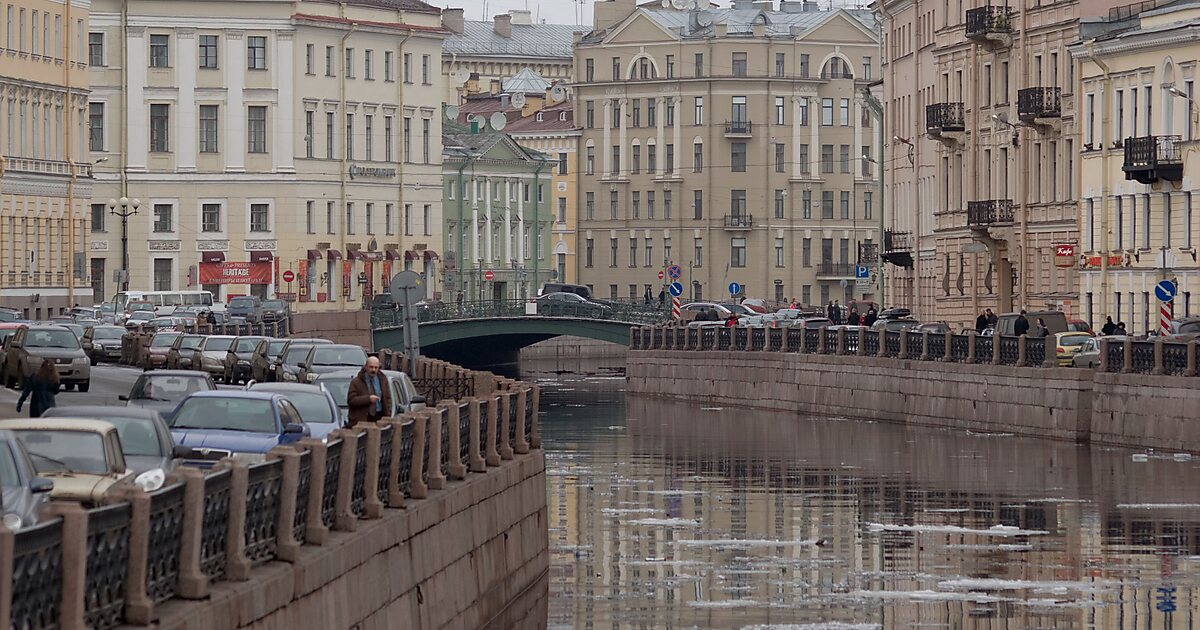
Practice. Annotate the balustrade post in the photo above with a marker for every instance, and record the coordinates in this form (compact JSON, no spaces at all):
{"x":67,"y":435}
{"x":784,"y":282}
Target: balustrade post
{"x":473,"y":453}
{"x":506,"y":402}
{"x":287,"y":548}
{"x":1022,"y":342}
{"x":972,"y":336}
{"x":996,"y":339}
{"x":1128,"y":358}
{"x":416,"y":469}
{"x":882,"y":342}
{"x":139,"y":608}
{"x":924,"y":346}
{"x":1191,"y":358}
{"x":73,"y":547}
{"x":903,"y":354}
{"x":193,"y":583}
{"x":344,"y":519}
{"x":860,"y":348}
{"x":491,"y":455}
{"x":821,"y":340}
{"x":1158,"y":356}
{"x":535,"y":431}
{"x":456,"y":469}
{"x":1050,"y":358}
{"x":522,"y":446}
{"x":433,"y":462}
{"x":787,"y":339}
{"x":237,"y":566}
{"x":395,"y":494}
{"x":372,"y":505}
{"x":948,"y":347}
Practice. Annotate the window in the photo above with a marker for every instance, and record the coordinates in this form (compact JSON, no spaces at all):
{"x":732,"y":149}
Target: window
{"x":95,"y":44}
{"x":780,"y":64}
{"x":310,"y":219}
{"x":388,"y":69}
{"x":649,"y":204}
{"x":780,"y":111}
{"x":779,"y":252}
{"x":1187,"y":220}
{"x":260,"y":217}
{"x":210,"y":217}
{"x":780,"y":160}
{"x":670,"y":66}
{"x":866,"y":69}
{"x":590,"y":205}
{"x":163,"y":218}
{"x":868,"y":206}
{"x":806,"y":205}
{"x":1090,"y":115}
{"x":562,"y":163}
{"x":698,"y":204}
{"x":697,"y":252}
{"x":649,"y":259}
{"x":699,"y":64}
{"x":329,"y":61}
{"x":651,"y":112}
{"x":616,"y":68}
{"x":329,"y":223}
{"x":806,"y":255}
{"x":737,"y":206}
{"x":670,"y":121}
{"x":635,"y":159}
{"x":208,"y":129}
{"x":425,"y":126}
{"x":99,"y":211}
{"x":826,"y":158}
{"x":737,"y":252}
{"x":737,"y":157}
{"x":739,"y":110}
{"x":697,"y":157}
{"x":779,"y":197}
{"x":805,"y":167}
{"x":844,"y":111}
{"x":651,"y":158}
{"x":589,"y":115}
{"x":256,"y":129}
{"x":1120,"y":220}
{"x":612,"y":206}
{"x":329,"y":139}
{"x":369,"y":132}
{"x":162,"y":274}
{"x":561,"y":215}
{"x":348,"y":66}
{"x":803,"y":112}
{"x":369,"y":64}
{"x":865,"y":159}
{"x":388,"y":140}
{"x":590,"y":161}
{"x":699,"y":110}
{"x":426,"y":79}
{"x":96,"y":126}
{"x":407,"y":140}
{"x":408,"y":217}
{"x":370,"y":218}
{"x":1146,"y":221}
{"x":826,"y":112}
{"x":739,"y":64}
{"x":160,"y":56}
{"x":349,"y":138}
{"x":669,"y":159}
{"x":408,"y":67}
{"x":256,"y":52}
{"x":160,"y":118}
{"x":667,"y":204}
{"x":844,"y":154}
{"x":827,"y":204}
{"x":589,"y":73}
{"x":616,"y":159}
{"x":612,"y":254}
{"x":636,"y":202}
{"x":589,"y":250}
{"x":845,"y":204}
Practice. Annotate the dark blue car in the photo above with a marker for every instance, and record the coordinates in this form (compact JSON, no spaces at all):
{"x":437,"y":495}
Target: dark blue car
{"x":208,"y":426}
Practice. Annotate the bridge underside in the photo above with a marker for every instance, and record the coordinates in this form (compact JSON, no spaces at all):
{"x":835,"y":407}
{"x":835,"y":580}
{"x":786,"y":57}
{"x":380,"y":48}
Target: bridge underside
{"x":482,"y":342}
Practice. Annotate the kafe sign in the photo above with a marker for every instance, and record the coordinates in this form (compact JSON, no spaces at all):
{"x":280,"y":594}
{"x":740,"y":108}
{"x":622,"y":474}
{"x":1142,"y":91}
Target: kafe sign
{"x":1064,"y":255}
{"x":371,"y":171}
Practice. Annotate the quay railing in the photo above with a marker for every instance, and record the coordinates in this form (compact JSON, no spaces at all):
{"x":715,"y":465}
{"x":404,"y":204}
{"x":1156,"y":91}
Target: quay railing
{"x":628,"y":311}
{"x":1155,"y":357}
{"x":114,"y":565}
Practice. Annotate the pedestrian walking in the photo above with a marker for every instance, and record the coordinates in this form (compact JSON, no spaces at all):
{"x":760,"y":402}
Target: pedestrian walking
{"x":648,"y":297}
{"x":662,"y":298}
{"x":870,"y":318}
{"x":1040,"y":331}
{"x":1109,"y":327}
{"x":992,"y":319}
{"x":1121,"y":330}
{"x":1021,"y":326}
{"x":40,"y":389}
{"x":981,"y":322}
{"x":369,"y":397}
{"x":854,"y":319}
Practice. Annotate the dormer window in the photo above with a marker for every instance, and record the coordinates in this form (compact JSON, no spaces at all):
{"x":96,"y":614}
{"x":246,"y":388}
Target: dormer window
{"x":562,"y":116}
{"x":540,"y":117}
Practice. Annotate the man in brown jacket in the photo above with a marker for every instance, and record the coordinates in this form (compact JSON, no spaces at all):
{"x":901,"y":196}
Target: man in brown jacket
{"x":368,"y":398}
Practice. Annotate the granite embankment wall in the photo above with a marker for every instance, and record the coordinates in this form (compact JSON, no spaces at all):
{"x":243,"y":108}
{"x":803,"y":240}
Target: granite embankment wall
{"x":1060,"y":403}
{"x":568,"y":347}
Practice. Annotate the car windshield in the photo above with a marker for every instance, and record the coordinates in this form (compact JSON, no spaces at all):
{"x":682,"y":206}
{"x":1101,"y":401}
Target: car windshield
{"x":9,"y":477}
{"x":168,"y":388}
{"x":295,"y":354}
{"x":338,"y":387}
{"x":138,"y":436}
{"x":275,"y":347}
{"x":246,"y":344}
{"x":242,"y":302}
{"x":274,"y":304}
{"x":313,"y":406}
{"x":75,"y":451}
{"x":142,"y":306}
{"x":230,"y":414}
{"x":142,"y":316}
{"x":191,"y":342}
{"x":1073,"y":340}
{"x":107,"y":333}
{"x":218,"y":344}
{"x":51,"y":339}
{"x":345,"y":355}
{"x":163,"y":340}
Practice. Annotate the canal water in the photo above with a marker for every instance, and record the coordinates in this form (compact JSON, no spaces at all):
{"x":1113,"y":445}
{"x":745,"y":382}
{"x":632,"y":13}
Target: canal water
{"x":674,"y":515}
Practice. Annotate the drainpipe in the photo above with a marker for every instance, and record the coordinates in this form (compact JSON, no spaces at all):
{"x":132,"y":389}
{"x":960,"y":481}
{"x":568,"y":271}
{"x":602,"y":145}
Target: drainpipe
{"x":399,"y":69}
{"x":69,"y":122}
{"x":462,"y":228}
{"x":345,"y":164}
{"x":1105,"y":154}
{"x":877,"y":111}
{"x":125,"y":126}
{"x":537,"y":228}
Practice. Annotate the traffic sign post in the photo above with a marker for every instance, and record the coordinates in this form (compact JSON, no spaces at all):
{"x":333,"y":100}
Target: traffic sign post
{"x":862,"y":277}
{"x":676,"y":312}
{"x":660,"y":275}
{"x":1166,"y":291}
{"x":734,"y":289}
{"x":489,"y":275}
{"x":408,"y":288}
{"x":676,"y":289}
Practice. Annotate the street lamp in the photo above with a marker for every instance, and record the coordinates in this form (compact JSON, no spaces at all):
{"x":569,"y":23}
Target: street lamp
{"x":128,"y":207}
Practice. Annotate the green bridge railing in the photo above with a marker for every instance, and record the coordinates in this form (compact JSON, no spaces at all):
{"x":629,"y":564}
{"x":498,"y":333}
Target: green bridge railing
{"x":614,"y":311}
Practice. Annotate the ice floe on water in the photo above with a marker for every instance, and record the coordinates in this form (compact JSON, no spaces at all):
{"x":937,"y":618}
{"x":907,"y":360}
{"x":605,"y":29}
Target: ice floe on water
{"x":1158,"y":506}
{"x":931,"y":596}
{"x":623,"y":511}
{"x":734,"y":543}
{"x":666,"y":522}
{"x":832,"y":625}
{"x":1048,"y":586}
{"x":729,"y":603}
{"x":995,"y":530}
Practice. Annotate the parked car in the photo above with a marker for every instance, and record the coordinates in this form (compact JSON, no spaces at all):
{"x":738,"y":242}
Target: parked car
{"x":404,"y":393}
{"x":287,"y":368}
{"x":155,"y":355}
{"x":73,"y":327}
{"x":563,"y":303}
{"x":895,"y":325}
{"x":103,"y":343}
{"x":690,"y":311}
{"x":208,"y":426}
{"x":738,"y":309}
{"x":1056,"y":322}
{"x":237,"y":359}
{"x":139,"y":318}
{"x":262,"y":360}
{"x":23,"y":494}
{"x":316,"y":405}
{"x":332,"y":357}
{"x":1184,"y":329}
{"x":558,"y":287}
{"x":11,"y":315}
{"x":933,"y":328}
{"x":82,"y":457}
{"x":145,"y":437}
{"x":7,"y":330}
{"x":1067,"y":345}
{"x":26,"y":349}
{"x":163,"y":390}
{"x":274,"y":310}
{"x":814,"y":322}
{"x":210,"y":355}
{"x":1078,"y":325}
{"x":1088,"y":355}
{"x":159,"y":324}
{"x":180,"y":354}
{"x":247,"y":307}
{"x":139,"y":305}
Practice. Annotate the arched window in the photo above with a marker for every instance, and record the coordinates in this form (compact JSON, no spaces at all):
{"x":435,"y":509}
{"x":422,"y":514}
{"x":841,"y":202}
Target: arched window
{"x":837,"y":67}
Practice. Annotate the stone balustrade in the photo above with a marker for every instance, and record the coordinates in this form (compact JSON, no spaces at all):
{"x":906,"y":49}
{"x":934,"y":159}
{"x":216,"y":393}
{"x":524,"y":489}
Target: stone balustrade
{"x":115,"y":565}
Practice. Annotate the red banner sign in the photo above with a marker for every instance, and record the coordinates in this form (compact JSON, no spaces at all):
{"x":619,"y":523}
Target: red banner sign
{"x":303,"y":264}
{"x":235,"y":273}
{"x":347,"y":282}
{"x":1113,"y":261}
{"x":1064,"y":255}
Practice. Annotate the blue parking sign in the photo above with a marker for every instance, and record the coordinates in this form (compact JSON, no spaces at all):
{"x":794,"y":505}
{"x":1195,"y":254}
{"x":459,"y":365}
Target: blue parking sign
{"x":734,"y":288}
{"x":862,"y":271}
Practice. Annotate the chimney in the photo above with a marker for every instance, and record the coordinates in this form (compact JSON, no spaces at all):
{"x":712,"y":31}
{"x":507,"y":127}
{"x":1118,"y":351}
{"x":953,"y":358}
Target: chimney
{"x":791,"y":6}
{"x":606,"y":13}
{"x":809,"y":7}
{"x":453,"y":20}
{"x":743,"y":4}
{"x":521,"y":17}
{"x":720,"y":29}
{"x":764,"y":5}
{"x":504,"y":25}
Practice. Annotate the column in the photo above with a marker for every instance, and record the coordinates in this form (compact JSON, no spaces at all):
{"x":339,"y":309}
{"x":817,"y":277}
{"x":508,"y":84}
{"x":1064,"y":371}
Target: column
{"x":474,"y":221}
{"x":659,"y":106}
{"x":680,"y":152}
{"x":233,"y":119}
{"x":856,"y":150}
{"x":606,"y":148}
{"x":797,"y":138}
{"x":137,"y":115}
{"x":521,"y":253}
{"x":186,"y":119}
{"x":814,"y":142}
{"x":508,"y":219}
{"x":487,"y":199}
{"x":621,"y":168}
{"x":283,"y":130}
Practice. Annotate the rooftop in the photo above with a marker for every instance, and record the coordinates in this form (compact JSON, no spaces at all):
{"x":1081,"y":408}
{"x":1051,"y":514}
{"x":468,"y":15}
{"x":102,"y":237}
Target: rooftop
{"x":480,"y":39}
{"x":740,"y":21}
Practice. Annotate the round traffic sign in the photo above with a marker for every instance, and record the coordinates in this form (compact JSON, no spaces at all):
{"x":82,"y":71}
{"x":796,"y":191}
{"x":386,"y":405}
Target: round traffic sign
{"x":676,"y":289}
{"x":1165,"y":291}
{"x":288,"y":276}
{"x":675,"y":271}
{"x":660,"y":275}
{"x":407,"y":288}
{"x":489,"y":275}
{"x":734,"y":288}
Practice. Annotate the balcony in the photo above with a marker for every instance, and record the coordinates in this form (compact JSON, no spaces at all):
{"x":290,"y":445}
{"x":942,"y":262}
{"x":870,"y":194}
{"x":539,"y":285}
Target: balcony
{"x":943,"y":118}
{"x":739,"y":129}
{"x":829,"y":269}
{"x":1039,"y":102}
{"x":1151,"y":158}
{"x":993,"y":212}
{"x":990,"y":23}
{"x":739,"y":222}
{"x":897,"y":248}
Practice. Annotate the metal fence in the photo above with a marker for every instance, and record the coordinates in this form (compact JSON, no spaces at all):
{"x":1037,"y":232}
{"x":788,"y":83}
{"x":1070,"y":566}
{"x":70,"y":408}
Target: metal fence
{"x":606,"y":310}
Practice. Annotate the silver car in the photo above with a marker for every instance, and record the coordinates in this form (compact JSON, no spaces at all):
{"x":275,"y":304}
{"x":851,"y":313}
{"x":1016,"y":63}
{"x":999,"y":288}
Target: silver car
{"x":29,"y":346}
{"x":24,"y":492}
{"x":210,"y":355}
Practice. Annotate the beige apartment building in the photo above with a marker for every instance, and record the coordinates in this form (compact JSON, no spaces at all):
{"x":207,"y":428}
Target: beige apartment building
{"x":1140,"y":186}
{"x":730,"y":142}
{"x":984,"y":197}
{"x":265,"y":137}
{"x":45,"y":176}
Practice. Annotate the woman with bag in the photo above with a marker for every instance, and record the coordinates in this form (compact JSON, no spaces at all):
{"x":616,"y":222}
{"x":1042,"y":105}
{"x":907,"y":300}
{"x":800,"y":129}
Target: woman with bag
{"x":40,"y":389}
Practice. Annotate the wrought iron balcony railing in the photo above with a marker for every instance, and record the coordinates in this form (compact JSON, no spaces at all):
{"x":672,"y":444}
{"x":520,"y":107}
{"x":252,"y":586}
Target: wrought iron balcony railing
{"x":944,"y":117}
{"x":1151,"y":158}
{"x":990,"y":212}
{"x":1039,"y":102}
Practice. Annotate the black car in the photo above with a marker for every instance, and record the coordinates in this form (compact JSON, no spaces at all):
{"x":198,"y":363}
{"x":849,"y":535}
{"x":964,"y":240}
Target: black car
{"x":274,"y":310}
{"x":237,"y":359}
{"x":286,"y":368}
{"x":262,"y":361}
{"x":570,"y":304}
{"x":162,"y":390}
{"x":103,"y":343}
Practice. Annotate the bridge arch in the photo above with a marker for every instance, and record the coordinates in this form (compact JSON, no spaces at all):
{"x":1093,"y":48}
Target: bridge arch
{"x":486,"y":341}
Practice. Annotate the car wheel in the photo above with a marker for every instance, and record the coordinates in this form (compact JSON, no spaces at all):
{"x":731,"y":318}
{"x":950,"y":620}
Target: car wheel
{"x":93,"y":361}
{"x":85,"y":386}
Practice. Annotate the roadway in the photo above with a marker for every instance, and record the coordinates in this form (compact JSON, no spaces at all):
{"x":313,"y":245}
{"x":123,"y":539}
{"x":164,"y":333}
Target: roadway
{"x":108,"y":382}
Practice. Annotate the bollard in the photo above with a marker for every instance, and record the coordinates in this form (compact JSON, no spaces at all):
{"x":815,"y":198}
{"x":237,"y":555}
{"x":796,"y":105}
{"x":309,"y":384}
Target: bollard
{"x":1158,"y":356}
{"x":139,"y":608}
{"x":437,"y":479}
{"x":860,"y":348}
{"x":193,"y":583}
{"x":821,"y":340}
{"x":344,"y":519}
{"x":535,"y":432}
{"x":475,"y":457}
{"x":948,"y":353}
{"x":1051,"y":354}
{"x":1103,"y":365}
{"x":903,"y":354}
{"x":521,"y":446}
{"x":454,"y":420}
{"x":996,"y":349}
{"x":1191,"y":359}
{"x":924,"y":345}
{"x":1021,"y":350}
{"x":395,"y":494}
{"x":416,"y":471}
{"x":506,"y":447}
{"x":841,"y":341}
{"x":237,"y":567}
{"x":74,"y":563}
{"x":492,"y":456}
{"x":372,"y":505}
{"x":1128,"y":363}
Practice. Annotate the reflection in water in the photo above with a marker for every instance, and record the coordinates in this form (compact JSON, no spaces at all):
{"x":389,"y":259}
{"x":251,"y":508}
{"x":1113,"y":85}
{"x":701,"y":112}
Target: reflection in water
{"x":672,"y":515}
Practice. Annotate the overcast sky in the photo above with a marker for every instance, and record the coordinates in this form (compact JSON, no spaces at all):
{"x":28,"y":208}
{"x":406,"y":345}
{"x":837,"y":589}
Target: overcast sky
{"x":552,"y":11}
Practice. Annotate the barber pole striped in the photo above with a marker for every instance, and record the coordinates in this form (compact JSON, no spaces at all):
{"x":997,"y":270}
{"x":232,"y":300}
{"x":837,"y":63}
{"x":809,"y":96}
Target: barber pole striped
{"x":1165,"y":314}
{"x":676,"y":313}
